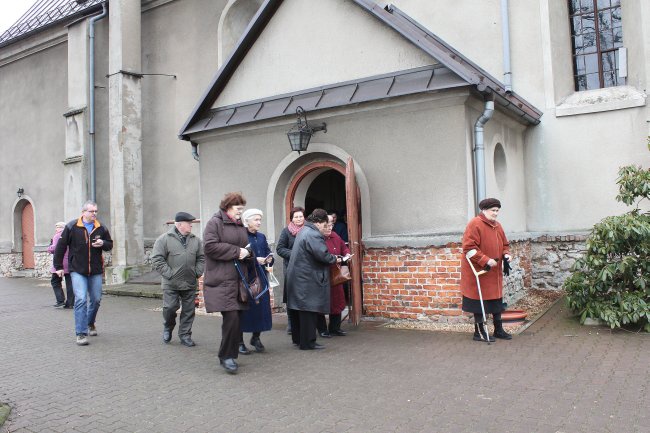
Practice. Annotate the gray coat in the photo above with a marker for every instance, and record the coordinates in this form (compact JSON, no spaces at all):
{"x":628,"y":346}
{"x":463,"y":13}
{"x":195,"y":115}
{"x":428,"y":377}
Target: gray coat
{"x":179,"y":265}
{"x":222,"y":239}
{"x":308,"y":277}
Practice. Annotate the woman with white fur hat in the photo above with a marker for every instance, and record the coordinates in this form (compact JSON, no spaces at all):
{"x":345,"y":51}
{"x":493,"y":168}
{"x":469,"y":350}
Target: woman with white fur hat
{"x":258,"y":317}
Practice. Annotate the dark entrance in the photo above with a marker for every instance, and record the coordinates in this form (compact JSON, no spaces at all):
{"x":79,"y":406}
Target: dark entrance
{"x":327,"y":192}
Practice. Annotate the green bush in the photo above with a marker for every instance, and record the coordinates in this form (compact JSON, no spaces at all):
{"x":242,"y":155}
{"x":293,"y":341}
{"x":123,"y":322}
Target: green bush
{"x":612,"y":281}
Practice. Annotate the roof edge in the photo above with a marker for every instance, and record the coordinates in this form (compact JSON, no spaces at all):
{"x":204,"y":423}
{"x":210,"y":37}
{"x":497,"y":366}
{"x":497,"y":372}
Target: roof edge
{"x":223,"y":75}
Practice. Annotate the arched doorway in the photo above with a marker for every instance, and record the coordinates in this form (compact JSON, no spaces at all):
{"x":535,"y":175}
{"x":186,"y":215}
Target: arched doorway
{"x":27,"y":233}
{"x":332,"y":186}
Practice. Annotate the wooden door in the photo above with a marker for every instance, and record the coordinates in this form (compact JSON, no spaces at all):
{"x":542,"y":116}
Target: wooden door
{"x":353,"y":207}
{"x":27,"y":224}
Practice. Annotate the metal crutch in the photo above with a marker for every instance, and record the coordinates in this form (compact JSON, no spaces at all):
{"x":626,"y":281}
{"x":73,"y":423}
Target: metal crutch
{"x":468,"y":256}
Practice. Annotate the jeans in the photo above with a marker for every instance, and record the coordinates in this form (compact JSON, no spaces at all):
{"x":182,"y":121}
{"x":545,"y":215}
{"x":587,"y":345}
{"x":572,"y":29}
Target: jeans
{"x":88,"y":295}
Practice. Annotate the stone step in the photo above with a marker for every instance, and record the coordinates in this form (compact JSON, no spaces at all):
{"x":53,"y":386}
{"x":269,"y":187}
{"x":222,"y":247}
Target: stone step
{"x":137,"y":290}
{"x":25,"y":273}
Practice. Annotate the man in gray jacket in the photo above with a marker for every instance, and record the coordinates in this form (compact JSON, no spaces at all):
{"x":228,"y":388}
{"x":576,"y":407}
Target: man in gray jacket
{"x":178,"y":256}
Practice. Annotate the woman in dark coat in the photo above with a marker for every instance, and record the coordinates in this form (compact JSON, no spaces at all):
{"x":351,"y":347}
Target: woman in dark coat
{"x":224,"y":240}
{"x":258,"y":317}
{"x":308,"y":280}
{"x":485,"y":235}
{"x":285,"y":244}
{"x":336,"y":246}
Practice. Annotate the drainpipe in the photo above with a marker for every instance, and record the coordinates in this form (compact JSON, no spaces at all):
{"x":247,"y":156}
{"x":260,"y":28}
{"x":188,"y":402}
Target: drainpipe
{"x":479,"y":150}
{"x":91,"y":88}
{"x":195,"y":150}
{"x":505,"y":37}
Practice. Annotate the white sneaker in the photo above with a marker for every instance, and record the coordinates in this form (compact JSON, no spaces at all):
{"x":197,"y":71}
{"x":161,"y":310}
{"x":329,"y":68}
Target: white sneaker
{"x":92,"y":331}
{"x":82,"y":340}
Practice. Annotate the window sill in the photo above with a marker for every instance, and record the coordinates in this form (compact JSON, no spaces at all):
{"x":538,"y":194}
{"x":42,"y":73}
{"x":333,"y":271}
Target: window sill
{"x":598,"y":100}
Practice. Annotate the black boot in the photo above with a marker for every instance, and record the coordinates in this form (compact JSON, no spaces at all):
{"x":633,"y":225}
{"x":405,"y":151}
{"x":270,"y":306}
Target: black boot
{"x":481,"y":333}
{"x":257,"y":343}
{"x":499,"y":332}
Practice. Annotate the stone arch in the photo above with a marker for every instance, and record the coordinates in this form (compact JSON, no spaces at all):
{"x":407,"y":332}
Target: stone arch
{"x":234,"y":19}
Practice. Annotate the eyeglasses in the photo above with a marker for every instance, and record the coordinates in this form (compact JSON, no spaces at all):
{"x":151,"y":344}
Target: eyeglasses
{"x":91,"y":211}
{"x":329,"y":226}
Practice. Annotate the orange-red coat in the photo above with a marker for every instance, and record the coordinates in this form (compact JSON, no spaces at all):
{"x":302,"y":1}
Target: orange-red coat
{"x":490,"y":242}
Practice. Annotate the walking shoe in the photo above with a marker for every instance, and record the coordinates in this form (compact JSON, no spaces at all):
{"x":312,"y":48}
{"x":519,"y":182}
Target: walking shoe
{"x":338,"y":333}
{"x":229,"y":365}
{"x":92,"y":331}
{"x":167,"y":335}
{"x":82,"y":340}
{"x":59,"y":305}
{"x":257,"y":344}
{"x":481,"y":334}
{"x":324,"y":334}
{"x":499,"y":332}
{"x":243,"y":349}
{"x":186,"y":340}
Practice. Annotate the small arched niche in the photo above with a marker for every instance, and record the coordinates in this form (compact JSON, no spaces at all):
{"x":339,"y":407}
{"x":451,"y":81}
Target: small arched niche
{"x":500,"y":166}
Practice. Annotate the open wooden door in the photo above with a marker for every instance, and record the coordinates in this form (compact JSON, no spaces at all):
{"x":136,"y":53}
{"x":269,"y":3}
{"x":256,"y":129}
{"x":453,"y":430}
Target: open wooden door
{"x":353,"y":207}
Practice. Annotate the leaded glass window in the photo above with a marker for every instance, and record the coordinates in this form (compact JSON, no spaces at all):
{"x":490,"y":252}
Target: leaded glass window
{"x":597,"y":34}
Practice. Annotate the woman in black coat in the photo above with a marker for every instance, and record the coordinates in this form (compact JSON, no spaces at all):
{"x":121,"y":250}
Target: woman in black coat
{"x":285,"y":244}
{"x":308,"y":280}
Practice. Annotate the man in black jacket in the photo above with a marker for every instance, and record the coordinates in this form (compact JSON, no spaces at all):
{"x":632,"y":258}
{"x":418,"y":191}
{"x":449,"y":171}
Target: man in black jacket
{"x":86,"y":239}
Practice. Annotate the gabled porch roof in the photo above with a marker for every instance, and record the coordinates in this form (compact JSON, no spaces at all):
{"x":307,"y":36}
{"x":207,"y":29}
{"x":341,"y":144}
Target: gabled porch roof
{"x":454,"y":70}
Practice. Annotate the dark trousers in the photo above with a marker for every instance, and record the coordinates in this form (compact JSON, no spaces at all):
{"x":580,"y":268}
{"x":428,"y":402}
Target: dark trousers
{"x":230,"y":334}
{"x":57,"y":286}
{"x":255,"y":335}
{"x":304,"y":328}
{"x":478,"y":317}
{"x":335,"y":323}
{"x":172,"y":300}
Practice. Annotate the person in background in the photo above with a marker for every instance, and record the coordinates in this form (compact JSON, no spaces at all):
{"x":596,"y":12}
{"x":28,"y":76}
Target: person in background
{"x":224,"y":241}
{"x":62,"y":301}
{"x":258,"y":317}
{"x":178,"y":256}
{"x":336,"y":246}
{"x":285,"y":244}
{"x":339,"y":225}
{"x":485,"y":235}
{"x":308,"y":280}
{"x":85,"y":239}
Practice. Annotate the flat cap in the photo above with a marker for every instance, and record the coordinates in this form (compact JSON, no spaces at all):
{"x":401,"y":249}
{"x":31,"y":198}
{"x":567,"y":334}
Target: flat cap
{"x":183,"y":216}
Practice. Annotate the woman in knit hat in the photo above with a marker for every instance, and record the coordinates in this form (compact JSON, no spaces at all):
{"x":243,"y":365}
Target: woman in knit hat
{"x":485,"y":235}
{"x":258,"y":317}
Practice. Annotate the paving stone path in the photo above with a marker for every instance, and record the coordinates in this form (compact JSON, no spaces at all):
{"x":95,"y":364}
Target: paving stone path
{"x":555,"y":377}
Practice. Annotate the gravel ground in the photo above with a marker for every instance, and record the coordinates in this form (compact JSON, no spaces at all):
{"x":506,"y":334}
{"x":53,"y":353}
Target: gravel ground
{"x":535,"y":303}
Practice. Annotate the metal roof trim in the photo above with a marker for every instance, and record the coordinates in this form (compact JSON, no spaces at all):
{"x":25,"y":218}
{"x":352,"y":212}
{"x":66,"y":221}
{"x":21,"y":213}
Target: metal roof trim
{"x":380,"y":87}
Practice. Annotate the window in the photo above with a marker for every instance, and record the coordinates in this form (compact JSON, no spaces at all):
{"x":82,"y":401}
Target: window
{"x":597,"y":34}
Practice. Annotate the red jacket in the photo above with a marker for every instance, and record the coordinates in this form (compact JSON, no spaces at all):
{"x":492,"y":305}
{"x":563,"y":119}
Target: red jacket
{"x":336,"y":246}
{"x":490,"y":242}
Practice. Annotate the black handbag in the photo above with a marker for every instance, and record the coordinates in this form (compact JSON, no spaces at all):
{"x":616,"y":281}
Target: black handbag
{"x":254,"y":289}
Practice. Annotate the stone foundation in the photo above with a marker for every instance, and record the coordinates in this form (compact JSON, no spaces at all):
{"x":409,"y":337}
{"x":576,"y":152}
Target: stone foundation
{"x":553,"y":257}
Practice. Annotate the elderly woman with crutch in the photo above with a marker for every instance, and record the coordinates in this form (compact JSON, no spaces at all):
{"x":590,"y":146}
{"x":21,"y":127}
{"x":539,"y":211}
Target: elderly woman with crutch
{"x":485,"y":248}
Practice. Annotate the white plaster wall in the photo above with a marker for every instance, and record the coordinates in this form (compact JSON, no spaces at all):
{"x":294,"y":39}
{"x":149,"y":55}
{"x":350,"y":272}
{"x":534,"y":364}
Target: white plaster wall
{"x":189,"y":51}
{"x":312,"y":43}
{"x":412,"y":152}
{"x":32,"y":139}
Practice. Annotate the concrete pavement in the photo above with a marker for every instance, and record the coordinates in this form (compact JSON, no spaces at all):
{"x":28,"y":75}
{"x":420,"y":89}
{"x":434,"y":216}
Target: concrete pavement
{"x":555,"y":377}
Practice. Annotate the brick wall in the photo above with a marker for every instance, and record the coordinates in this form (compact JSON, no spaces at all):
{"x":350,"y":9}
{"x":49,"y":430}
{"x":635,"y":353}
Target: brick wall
{"x":413,"y":283}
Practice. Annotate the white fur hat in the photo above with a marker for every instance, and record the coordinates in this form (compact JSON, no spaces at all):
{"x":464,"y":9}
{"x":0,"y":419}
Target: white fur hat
{"x":248,"y":213}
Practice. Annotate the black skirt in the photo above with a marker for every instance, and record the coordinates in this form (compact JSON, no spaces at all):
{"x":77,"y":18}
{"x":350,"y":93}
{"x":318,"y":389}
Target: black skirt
{"x":491,"y":305}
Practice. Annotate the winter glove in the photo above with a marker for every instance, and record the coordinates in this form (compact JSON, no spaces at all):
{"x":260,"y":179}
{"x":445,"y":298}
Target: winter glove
{"x":506,"y":267}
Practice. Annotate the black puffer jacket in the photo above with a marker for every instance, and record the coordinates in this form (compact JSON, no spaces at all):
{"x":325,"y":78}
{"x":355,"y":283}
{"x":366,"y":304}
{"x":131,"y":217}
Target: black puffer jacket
{"x":83,"y":258}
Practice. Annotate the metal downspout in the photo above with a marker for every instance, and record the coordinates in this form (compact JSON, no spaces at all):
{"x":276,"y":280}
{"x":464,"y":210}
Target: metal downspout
{"x":91,"y":89}
{"x":505,"y":36}
{"x":479,"y":150}
{"x":195,"y":150}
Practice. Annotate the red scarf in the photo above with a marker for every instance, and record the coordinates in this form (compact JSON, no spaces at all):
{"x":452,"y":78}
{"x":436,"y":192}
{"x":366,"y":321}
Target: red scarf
{"x":294,"y":229}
